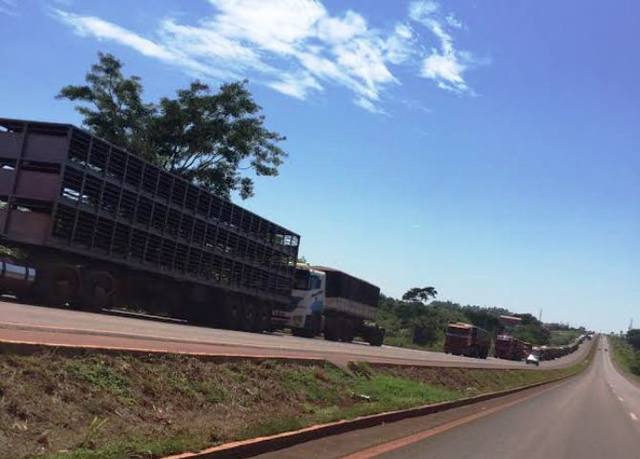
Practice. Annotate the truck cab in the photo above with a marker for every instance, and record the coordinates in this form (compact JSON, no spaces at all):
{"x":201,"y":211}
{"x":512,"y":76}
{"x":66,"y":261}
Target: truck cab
{"x":305,"y":316}
{"x":333,"y":303}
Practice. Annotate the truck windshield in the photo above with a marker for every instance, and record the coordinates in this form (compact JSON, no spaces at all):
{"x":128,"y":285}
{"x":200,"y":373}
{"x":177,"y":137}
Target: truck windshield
{"x":457,"y":331}
{"x":301,"y":280}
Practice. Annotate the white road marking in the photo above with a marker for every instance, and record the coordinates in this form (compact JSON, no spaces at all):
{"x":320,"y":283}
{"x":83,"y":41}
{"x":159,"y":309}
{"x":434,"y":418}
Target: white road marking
{"x":633,"y":416}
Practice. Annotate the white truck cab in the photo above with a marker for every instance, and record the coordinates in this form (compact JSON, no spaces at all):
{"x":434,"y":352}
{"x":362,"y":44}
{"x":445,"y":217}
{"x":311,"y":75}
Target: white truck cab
{"x":307,"y":302}
{"x":328,"y":301}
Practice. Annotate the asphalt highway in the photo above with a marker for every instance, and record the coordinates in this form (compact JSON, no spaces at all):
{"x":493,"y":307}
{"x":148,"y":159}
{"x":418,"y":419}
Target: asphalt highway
{"x":34,"y":324}
{"x":591,"y":416}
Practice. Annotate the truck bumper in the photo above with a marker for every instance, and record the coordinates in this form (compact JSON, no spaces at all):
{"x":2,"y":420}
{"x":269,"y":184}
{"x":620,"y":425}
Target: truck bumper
{"x":287,"y":319}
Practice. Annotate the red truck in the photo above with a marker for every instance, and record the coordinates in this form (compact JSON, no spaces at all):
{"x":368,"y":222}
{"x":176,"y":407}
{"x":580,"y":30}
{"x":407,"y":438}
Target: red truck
{"x":510,"y":348}
{"x":466,"y":339}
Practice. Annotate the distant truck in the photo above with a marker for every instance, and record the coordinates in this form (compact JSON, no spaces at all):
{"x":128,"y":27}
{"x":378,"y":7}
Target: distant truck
{"x":466,"y":339}
{"x":330,"y":302}
{"x":511,"y":348}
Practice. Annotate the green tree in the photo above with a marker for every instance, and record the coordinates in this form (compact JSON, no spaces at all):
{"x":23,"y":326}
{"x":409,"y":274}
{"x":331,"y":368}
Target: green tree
{"x":210,"y":138}
{"x":420,"y":294}
{"x":111,"y":105}
{"x":633,"y":338}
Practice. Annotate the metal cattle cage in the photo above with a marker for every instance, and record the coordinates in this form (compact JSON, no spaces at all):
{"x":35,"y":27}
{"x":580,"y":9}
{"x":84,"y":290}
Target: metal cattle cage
{"x":66,"y":190}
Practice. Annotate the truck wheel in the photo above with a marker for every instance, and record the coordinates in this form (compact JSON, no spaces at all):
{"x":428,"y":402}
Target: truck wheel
{"x":97,"y":292}
{"x":263,"y":319}
{"x":346,"y":331}
{"x":58,"y":286}
{"x":303,"y":332}
{"x":330,"y":329}
{"x":376,"y":338}
{"x":248,"y":318}
{"x":232,"y":315}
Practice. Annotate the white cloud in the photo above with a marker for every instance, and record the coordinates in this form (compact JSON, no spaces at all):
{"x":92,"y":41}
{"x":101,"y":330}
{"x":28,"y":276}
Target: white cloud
{"x":419,"y":10}
{"x":89,"y":25}
{"x":400,"y":45}
{"x":453,"y":21}
{"x":368,"y":106}
{"x":275,"y":25}
{"x":337,"y":30}
{"x":295,"y":47}
{"x":446,"y":65}
{"x":446,"y":70}
{"x":296,"y":85}
{"x":8,"y":7}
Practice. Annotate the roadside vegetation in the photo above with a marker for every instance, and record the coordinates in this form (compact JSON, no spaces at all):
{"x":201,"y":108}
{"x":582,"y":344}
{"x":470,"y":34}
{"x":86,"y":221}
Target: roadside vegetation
{"x":563,"y":337}
{"x":415,"y":323}
{"x":626,"y":351}
{"x":98,"y":405}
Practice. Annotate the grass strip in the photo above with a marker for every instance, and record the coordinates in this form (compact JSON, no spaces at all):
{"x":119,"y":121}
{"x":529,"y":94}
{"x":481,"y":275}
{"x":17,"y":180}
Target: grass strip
{"x":93,"y":405}
{"x":625,"y":357}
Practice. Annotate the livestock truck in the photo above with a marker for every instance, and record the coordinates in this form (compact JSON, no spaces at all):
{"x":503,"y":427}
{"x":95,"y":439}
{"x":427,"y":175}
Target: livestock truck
{"x":466,"y":339}
{"x":103,"y":228}
{"x":510,"y":348}
{"x":329,"y":301}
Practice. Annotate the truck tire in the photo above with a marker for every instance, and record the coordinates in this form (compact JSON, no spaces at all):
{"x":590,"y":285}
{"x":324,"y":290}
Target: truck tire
{"x":263,"y":319}
{"x":331,"y":329}
{"x":248,"y":317}
{"x":376,"y":337}
{"x":96,"y":292}
{"x":346,"y":332}
{"x":303,"y":332}
{"x":57,"y":285}
{"x":232,"y":315}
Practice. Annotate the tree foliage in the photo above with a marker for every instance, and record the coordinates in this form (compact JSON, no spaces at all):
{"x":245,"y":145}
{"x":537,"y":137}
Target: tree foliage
{"x":414,"y":322}
{"x":111,"y":105}
{"x":210,"y":138}
{"x":633,"y":338}
{"x":421,"y":294}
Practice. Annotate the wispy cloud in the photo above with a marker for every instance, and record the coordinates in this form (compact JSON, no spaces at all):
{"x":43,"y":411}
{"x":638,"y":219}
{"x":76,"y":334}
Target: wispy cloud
{"x":8,"y":7}
{"x":445,"y":65}
{"x":297,"y":47}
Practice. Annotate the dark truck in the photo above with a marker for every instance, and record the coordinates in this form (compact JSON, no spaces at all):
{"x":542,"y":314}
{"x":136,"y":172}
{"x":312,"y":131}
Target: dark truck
{"x":103,"y":228}
{"x":466,"y":339}
{"x":332,"y":302}
{"x":511,"y":348}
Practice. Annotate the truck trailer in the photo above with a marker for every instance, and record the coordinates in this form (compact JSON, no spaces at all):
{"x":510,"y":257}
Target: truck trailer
{"x":103,"y":228}
{"x":331,"y":302}
{"x":466,"y":339}
{"x":510,"y":348}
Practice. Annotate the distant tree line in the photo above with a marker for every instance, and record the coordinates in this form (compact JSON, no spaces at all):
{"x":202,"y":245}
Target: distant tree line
{"x":413,"y":322}
{"x":633,"y":339}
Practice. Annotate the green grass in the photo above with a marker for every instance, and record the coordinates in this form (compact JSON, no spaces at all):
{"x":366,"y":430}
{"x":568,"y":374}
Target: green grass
{"x":407,"y":342}
{"x":563,"y":337}
{"x":625,"y":356}
{"x":139,"y":449}
{"x":99,"y":375}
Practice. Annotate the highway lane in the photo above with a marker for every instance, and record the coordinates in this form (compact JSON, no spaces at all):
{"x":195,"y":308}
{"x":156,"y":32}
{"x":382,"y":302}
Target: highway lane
{"x":591,"y":416}
{"x":583,"y":419}
{"x":25,"y":323}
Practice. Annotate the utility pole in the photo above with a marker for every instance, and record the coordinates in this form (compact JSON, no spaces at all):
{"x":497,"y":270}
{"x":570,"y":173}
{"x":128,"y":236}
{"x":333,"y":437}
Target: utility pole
{"x":631,"y":324}
{"x":540,"y":315}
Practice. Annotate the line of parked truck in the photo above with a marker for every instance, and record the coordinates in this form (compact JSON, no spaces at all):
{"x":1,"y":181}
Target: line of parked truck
{"x":472,"y":341}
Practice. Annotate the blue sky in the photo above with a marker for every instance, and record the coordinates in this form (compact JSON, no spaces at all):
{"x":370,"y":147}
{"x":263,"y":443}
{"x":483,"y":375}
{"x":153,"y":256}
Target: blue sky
{"x":488,"y":148}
